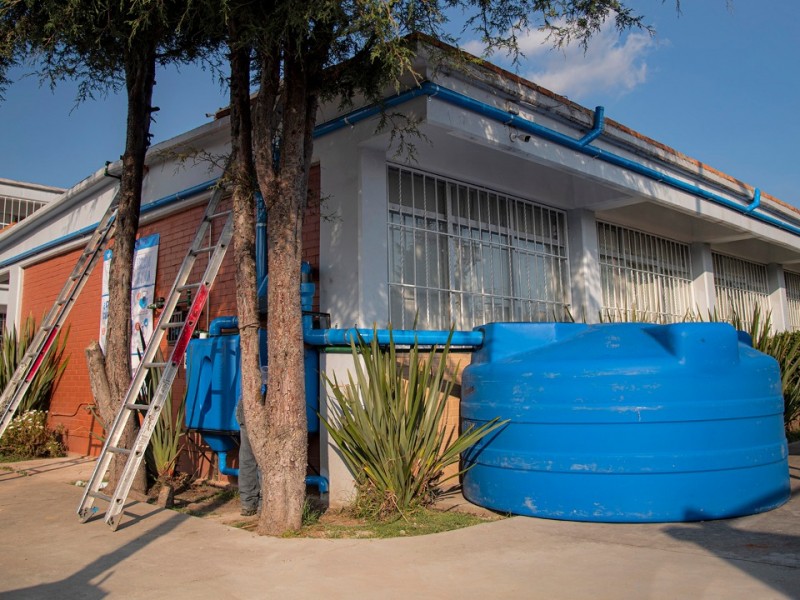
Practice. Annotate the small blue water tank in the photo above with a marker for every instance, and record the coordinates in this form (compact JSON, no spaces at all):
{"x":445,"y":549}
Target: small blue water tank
{"x":214,"y":383}
{"x":625,"y":423}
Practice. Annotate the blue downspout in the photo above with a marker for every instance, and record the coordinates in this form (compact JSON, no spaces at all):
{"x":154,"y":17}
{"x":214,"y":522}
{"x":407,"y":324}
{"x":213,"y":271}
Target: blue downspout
{"x":597,"y":128}
{"x":755,"y":203}
{"x":261,"y":252}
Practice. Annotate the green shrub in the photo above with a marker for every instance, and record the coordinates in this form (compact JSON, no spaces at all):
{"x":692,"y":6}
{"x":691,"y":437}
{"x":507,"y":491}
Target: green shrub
{"x":28,"y":436}
{"x":13,"y":348}
{"x":166,"y":442}
{"x":388,"y":427}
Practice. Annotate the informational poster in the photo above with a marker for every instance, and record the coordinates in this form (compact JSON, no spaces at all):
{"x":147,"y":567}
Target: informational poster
{"x":143,"y":285}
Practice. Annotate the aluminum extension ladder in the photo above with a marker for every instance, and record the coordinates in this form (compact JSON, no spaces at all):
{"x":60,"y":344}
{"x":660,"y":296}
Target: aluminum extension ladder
{"x":130,"y":404}
{"x":50,"y":326}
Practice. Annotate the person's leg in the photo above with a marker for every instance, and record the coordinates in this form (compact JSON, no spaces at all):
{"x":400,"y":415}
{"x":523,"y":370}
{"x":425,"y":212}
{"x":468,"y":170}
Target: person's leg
{"x":249,"y":484}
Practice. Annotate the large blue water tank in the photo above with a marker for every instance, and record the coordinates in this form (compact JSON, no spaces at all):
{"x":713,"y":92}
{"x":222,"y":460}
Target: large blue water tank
{"x":214,"y":383}
{"x":625,"y":423}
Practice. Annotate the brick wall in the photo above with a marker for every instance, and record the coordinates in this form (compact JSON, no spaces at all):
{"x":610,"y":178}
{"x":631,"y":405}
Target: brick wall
{"x":43,"y":282}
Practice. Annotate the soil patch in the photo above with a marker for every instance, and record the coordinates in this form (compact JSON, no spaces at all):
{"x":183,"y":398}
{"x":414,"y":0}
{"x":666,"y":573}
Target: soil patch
{"x":221,"y":504}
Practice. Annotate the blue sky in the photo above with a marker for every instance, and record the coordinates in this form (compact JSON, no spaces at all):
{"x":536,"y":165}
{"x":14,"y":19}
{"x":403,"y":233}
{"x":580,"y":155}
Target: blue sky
{"x":720,"y":83}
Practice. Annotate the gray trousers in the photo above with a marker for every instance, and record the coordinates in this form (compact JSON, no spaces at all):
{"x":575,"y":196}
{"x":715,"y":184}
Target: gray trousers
{"x":249,"y":475}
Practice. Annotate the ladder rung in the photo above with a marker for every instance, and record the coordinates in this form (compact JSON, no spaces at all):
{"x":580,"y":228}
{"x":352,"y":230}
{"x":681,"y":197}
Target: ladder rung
{"x":155,"y":365}
{"x":100,"y":495}
{"x":222,"y":213}
{"x":118,"y":450}
{"x":204,"y":249}
{"x":173,"y":325}
{"x":137,"y":406}
{"x":188,"y":286}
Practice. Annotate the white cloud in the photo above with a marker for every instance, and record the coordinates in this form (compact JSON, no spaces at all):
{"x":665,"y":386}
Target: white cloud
{"x":612,"y":64}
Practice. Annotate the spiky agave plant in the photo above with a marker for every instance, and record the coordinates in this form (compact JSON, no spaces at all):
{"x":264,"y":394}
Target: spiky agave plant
{"x":387,"y":423}
{"x":166,"y":442}
{"x":13,"y":348}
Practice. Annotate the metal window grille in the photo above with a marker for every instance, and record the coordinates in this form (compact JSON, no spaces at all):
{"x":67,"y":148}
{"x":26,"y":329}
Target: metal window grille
{"x":644,"y":277}
{"x":741,"y":288}
{"x":792,"y":282}
{"x":465,"y":255}
{"x":13,"y":210}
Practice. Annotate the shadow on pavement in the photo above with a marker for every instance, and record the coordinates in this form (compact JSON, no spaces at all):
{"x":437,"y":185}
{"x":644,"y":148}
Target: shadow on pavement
{"x":747,"y":550}
{"x":87,"y":582}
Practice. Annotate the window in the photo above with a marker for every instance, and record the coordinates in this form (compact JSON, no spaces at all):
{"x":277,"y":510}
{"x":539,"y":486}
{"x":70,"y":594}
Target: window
{"x":793,"y":298}
{"x":464,"y":255}
{"x":741,"y":287}
{"x":644,"y":277}
{"x":13,"y":210}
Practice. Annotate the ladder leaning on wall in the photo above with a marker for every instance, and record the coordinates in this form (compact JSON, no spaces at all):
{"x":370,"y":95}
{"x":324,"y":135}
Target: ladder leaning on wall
{"x":131,"y":403}
{"x":48,"y":330}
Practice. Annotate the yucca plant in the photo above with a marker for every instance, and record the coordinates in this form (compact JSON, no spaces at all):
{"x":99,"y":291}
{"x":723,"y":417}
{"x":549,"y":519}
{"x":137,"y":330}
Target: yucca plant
{"x":388,"y":426}
{"x":166,"y":442}
{"x":13,"y":348}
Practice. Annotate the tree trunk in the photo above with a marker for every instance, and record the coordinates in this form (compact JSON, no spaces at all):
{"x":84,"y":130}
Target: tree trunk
{"x":96,"y":364}
{"x":283,"y":452}
{"x":140,"y":79}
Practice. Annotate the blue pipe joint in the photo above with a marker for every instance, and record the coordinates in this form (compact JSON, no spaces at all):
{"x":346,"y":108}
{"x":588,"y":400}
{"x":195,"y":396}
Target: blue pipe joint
{"x":220,"y":323}
{"x":755,"y":203}
{"x":222,"y":456}
{"x":319,"y":482}
{"x":597,"y":127}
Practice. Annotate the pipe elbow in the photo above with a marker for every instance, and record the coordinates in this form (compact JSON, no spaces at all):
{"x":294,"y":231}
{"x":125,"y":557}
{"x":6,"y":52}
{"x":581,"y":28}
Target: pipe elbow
{"x":220,"y":323}
{"x":755,"y":203}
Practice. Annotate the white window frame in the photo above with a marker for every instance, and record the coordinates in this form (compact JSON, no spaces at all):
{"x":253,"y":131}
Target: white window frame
{"x":644,"y":277}
{"x":449,"y":263}
{"x":741,"y":286}
{"x":792,"y":286}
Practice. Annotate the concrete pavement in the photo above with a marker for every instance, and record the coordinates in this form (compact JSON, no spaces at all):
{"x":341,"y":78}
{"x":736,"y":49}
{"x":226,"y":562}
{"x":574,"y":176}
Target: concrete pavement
{"x":45,"y":552}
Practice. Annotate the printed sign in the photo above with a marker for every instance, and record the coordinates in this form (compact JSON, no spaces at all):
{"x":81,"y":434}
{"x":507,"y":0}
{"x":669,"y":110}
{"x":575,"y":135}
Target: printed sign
{"x":143,"y":285}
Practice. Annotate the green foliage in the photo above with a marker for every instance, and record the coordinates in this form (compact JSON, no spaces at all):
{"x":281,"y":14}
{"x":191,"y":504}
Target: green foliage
{"x":28,"y":436}
{"x":13,"y":347}
{"x":166,"y":443}
{"x":388,"y":426}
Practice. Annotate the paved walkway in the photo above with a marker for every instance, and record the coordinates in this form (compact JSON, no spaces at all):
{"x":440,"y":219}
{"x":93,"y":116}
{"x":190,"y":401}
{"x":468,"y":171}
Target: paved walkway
{"x":46,"y":553}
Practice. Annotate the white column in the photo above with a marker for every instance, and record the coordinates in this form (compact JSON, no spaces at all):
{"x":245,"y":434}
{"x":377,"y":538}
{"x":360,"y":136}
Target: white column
{"x":584,"y":266}
{"x":778,"y":305}
{"x":16,"y":276}
{"x":705,"y":296}
{"x":373,"y":209}
{"x":341,"y":485}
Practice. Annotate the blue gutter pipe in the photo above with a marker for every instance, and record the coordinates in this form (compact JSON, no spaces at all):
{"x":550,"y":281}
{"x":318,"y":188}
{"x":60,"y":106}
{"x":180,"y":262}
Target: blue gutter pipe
{"x":89,"y":230}
{"x":432,"y":90}
{"x":404,"y":337}
{"x":512,"y":120}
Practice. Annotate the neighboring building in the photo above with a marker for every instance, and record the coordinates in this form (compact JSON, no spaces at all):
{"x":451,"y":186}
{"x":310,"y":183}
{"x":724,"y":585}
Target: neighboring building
{"x":520,"y":205}
{"x":19,"y":200}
